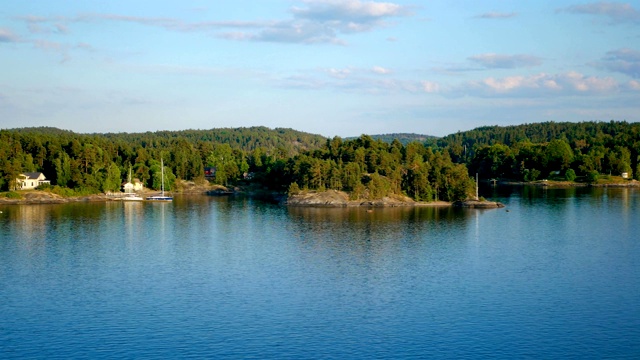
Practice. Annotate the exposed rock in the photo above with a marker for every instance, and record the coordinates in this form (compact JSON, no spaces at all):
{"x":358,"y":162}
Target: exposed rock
{"x":477,"y":204}
{"x":44,"y":197}
{"x":323,"y":198}
{"x":333,"y":198}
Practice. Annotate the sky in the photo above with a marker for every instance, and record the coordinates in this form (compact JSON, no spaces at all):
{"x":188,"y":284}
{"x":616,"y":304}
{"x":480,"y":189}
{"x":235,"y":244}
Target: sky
{"x":328,"y":67}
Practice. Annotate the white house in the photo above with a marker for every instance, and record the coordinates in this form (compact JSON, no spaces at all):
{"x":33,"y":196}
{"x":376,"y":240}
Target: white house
{"x":31,"y":180}
{"x":133,"y":186}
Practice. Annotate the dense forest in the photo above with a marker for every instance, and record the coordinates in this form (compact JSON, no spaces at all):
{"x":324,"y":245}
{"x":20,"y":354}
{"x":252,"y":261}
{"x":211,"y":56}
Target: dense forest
{"x":536,"y":151}
{"x":280,"y":159}
{"x":368,"y":168}
{"x":285,"y":159}
{"x":89,"y":163}
{"x":404,"y":138}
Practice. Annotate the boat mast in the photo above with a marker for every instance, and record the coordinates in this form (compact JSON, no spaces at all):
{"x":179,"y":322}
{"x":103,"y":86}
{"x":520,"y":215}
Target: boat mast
{"x":162,"y":174}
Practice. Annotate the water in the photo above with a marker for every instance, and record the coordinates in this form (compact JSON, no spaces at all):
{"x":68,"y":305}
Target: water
{"x":556,"y":274}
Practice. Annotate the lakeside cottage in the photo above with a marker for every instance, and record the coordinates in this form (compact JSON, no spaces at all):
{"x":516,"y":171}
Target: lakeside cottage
{"x":30,"y":180}
{"x":133,"y":186}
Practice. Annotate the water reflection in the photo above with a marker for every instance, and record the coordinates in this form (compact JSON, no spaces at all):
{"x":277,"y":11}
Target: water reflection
{"x":344,"y":236}
{"x":208,"y":277}
{"x":376,"y":215}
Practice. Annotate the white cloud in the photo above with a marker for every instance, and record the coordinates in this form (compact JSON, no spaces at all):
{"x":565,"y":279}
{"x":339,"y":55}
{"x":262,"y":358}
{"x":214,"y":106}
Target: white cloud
{"x":348,"y":10}
{"x":496,"y":15}
{"x":633,"y":85}
{"x":8,"y":36}
{"x":536,"y":86}
{"x":359,"y":80}
{"x":61,"y":28}
{"x":541,"y":85}
{"x":430,"y":87}
{"x":616,"y":12}
{"x":323,"y":21}
{"x":84,"y":46}
{"x":339,"y":73}
{"x":293,"y":32}
{"x":626,"y":61}
{"x":316,"y":21}
{"x":498,"y":61}
{"x":380,"y":70}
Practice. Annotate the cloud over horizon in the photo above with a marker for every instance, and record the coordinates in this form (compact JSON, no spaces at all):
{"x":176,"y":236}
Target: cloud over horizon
{"x":280,"y":61}
{"x":542,"y":85}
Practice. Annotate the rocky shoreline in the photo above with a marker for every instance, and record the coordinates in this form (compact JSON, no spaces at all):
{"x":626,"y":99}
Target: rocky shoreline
{"x":569,"y":184}
{"x":330,"y":198}
{"x":475,"y":204}
{"x":43,"y":197}
{"x":333,"y":198}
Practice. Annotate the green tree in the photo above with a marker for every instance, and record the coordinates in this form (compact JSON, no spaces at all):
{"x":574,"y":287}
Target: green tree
{"x":558,"y":155}
{"x":570,"y":175}
{"x":592,"y":177}
{"x":113,"y":178}
{"x":156,"y":177}
{"x":378,"y":187}
{"x":63,"y":169}
{"x":224,"y":161}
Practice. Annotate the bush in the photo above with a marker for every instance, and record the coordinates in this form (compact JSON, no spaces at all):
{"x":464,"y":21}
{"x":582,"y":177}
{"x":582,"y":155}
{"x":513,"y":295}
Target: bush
{"x":62,"y":191}
{"x":570,"y":175}
{"x":531,"y":175}
{"x":592,"y":177}
{"x":44,"y":187}
{"x":12,"y":195}
{"x":294,"y":189}
{"x":66,"y":192}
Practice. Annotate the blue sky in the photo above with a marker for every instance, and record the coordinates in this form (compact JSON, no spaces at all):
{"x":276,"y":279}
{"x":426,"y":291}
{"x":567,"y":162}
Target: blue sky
{"x":328,"y":67}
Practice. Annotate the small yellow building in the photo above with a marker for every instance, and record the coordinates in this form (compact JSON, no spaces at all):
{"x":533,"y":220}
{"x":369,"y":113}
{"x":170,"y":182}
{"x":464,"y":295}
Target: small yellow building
{"x":132,"y":186}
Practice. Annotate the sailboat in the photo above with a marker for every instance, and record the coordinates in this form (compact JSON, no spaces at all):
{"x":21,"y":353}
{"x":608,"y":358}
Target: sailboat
{"x":131,"y":196}
{"x":160,"y":197}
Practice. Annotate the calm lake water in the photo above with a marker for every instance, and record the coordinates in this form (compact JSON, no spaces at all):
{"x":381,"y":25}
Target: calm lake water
{"x":556,"y":274}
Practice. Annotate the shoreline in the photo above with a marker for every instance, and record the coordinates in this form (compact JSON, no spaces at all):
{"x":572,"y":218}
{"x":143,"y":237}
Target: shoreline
{"x":340,"y":199}
{"x":38,"y":197}
{"x":329,"y":198}
{"x":566,"y":184}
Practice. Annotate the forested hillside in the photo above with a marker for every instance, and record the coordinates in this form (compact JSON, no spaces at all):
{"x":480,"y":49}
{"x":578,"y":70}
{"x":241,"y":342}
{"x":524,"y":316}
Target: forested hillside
{"x":97,"y":162}
{"x":404,"y":138}
{"x":277,"y":159}
{"x":368,"y":168}
{"x":534,"y":151}
{"x":284,"y":159}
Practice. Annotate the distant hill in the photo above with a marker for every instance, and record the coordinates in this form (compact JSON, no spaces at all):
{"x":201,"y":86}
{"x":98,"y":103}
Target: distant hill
{"x":404,"y":138}
{"x":604,"y":133}
{"x":242,"y":138}
{"x":43,"y":130}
